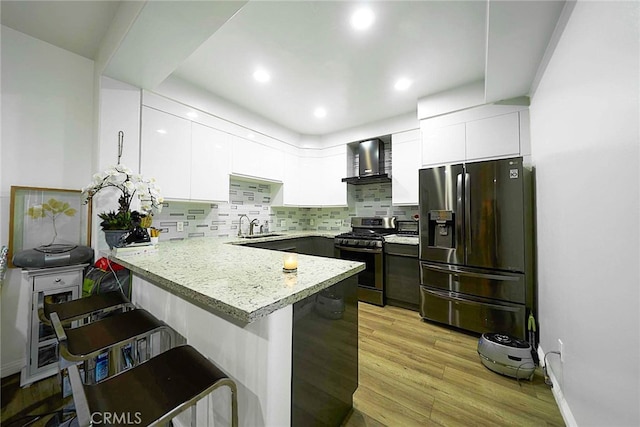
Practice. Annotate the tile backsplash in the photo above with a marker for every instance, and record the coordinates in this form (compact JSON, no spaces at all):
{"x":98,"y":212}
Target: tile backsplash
{"x":254,"y":200}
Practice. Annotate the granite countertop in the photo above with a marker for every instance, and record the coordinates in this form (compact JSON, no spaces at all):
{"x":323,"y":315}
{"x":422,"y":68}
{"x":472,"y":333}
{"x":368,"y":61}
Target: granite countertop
{"x":402,"y":239}
{"x":221,"y":275}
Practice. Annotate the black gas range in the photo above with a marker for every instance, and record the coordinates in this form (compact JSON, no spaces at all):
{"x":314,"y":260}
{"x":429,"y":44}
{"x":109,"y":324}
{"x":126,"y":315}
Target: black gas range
{"x":365,"y":243}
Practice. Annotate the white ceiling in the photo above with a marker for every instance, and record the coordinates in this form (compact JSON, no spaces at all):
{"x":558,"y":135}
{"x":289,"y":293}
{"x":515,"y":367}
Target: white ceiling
{"x":313,"y":55}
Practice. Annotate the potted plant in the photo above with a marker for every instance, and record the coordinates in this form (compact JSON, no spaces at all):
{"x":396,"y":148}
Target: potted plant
{"x":116,"y":224}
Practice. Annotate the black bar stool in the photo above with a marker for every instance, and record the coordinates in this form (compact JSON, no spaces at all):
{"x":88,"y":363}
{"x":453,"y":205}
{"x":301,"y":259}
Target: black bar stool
{"x":110,"y":334}
{"x":83,"y":308}
{"x":153,"y":392}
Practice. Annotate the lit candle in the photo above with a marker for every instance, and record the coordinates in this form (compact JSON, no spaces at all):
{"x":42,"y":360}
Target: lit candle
{"x":290,"y":261}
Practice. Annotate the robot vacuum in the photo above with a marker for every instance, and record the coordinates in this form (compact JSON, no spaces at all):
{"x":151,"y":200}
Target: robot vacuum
{"x":506,"y":355}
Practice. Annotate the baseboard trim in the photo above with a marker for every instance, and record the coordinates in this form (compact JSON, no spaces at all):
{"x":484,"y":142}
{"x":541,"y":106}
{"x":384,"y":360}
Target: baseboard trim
{"x":558,"y":395}
{"x":11,"y":368}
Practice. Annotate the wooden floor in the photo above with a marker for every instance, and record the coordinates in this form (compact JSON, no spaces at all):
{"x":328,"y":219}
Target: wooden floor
{"x":412,"y":373}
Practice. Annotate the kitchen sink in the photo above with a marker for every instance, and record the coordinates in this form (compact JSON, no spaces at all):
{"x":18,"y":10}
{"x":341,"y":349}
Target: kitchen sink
{"x":258,"y":236}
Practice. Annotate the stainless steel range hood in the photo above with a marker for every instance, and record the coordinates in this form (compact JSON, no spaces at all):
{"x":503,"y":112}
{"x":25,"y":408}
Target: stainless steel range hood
{"x":371,"y":163}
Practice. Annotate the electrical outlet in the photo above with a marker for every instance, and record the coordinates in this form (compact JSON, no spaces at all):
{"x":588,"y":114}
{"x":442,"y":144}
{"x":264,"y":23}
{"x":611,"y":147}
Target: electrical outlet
{"x":283,"y":223}
{"x":312,"y":221}
{"x":561,"y":350}
{"x":180,"y":226}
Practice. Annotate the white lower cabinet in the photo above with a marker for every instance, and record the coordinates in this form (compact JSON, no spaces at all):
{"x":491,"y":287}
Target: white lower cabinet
{"x":405,"y":163}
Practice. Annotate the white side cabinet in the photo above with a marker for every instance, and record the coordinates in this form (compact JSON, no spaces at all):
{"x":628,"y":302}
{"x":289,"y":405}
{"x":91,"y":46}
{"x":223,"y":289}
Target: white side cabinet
{"x":55,"y":284}
{"x":405,"y":164}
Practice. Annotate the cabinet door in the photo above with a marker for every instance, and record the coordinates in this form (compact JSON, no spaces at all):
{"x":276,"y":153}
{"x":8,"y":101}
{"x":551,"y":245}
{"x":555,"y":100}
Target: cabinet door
{"x":442,"y":144}
{"x":309,"y":182}
{"x":209,"y":164}
{"x":293,"y":181}
{"x":402,"y":281}
{"x":257,"y":160}
{"x":493,"y":137}
{"x":329,"y":188}
{"x":166,"y":152}
{"x":405,"y":164}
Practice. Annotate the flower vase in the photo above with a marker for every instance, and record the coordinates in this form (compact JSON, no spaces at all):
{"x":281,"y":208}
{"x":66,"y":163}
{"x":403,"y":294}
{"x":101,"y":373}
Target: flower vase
{"x":114,"y":238}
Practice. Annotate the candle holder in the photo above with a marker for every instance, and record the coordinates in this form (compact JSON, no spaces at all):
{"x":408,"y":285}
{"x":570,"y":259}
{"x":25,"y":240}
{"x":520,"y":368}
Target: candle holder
{"x":290,"y":263}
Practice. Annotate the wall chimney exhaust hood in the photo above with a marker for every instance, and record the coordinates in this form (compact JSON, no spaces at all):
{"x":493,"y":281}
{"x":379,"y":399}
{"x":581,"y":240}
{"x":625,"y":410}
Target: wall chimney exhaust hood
{"x":371,"y":164}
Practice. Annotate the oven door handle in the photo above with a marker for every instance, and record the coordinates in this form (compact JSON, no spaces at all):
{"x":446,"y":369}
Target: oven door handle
{"x":363,"y":250}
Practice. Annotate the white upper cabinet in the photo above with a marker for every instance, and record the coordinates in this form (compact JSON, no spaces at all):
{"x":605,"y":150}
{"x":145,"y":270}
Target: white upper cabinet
{"x":292,"y":182}
{"x":257,"y":160}
{"x":442,"y":144}
{"x":188,"y":160}
{"x":313,"y":177}
{"x":328,"y":188}
{"x":209,"y":163}
{"x":487,"y":132}
{"x":493,"y":137}
{"x":405,"y":163}
{"x":166,"y":152}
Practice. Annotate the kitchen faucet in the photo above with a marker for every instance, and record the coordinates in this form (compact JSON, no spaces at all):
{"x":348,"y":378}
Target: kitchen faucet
{"x":251,"y":224}
{"x":240,"y":225}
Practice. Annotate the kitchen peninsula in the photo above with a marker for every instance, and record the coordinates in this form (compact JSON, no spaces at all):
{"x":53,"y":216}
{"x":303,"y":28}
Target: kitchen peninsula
{"x":289,"y":340}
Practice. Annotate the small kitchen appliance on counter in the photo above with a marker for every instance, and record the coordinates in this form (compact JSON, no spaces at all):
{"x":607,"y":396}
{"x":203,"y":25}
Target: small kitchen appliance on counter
{"x":365,"y":243}
{"x":506,"y":355}
{"x":408,"y":228}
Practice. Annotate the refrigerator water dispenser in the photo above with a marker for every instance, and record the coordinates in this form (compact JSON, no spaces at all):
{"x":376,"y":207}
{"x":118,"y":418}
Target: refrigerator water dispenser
{"x":442,"y":229}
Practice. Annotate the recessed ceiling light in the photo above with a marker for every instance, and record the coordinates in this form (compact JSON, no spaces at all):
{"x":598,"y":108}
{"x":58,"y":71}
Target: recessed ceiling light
{"x":362,"y":18}
{"x":320,"y":112}
{"x":192,"y":114}
{"x":403,"y":84}
{"x":261,"y":75}
{"x":162,"y":131}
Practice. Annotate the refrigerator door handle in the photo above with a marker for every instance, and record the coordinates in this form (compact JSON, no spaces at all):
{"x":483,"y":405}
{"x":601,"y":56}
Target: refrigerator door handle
{"x":452,"y":297}
{"x":459,"y":219}
{"x":467,"y":215}
{"x":457,"y":272}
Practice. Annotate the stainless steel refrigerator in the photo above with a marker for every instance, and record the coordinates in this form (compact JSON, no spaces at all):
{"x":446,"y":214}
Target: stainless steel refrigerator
{"x":476,"y":243}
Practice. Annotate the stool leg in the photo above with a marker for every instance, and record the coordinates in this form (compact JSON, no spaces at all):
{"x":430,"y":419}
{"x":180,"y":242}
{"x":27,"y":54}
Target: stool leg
{"x":234,"y":404}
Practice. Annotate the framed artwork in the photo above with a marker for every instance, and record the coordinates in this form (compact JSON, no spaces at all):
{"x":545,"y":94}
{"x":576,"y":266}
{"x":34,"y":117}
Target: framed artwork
{"x":46,"y":218}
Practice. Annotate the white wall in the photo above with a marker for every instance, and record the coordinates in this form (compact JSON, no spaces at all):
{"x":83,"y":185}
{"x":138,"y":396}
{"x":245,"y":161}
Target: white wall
{"x":47,"y":131}
{"x":585,"y":146}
